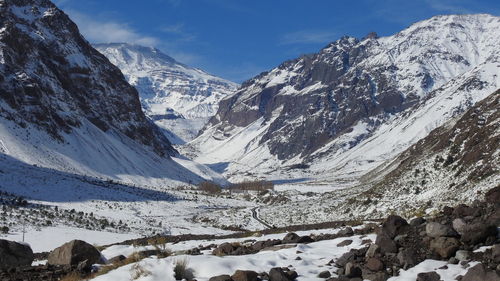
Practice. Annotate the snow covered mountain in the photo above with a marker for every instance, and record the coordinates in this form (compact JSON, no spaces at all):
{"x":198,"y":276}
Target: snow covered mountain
{"x":64,"y":106}
{"x":354,"y":105}
{"x":177,"y":97}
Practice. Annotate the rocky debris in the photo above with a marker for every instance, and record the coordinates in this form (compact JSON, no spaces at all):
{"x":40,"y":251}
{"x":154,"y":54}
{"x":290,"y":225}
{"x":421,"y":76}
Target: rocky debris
{"x":428,"y":276}
{"x":30,"y":273}
{"x":451,"y":235}
{"x":346,"y":231}
{"x":324,"y":274}
{"x":116,"y":259}
{"x":245,"y":275}
{"x":345,"y":243}
{"x":13,"y":254}
{"x":74,"y":253}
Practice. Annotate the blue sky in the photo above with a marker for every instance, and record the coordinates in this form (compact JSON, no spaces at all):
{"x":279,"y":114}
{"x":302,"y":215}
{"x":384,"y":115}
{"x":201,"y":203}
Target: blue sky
{"x":237,"y":39}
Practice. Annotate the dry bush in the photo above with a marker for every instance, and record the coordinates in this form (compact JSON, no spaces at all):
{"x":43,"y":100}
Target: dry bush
{"x":253,"y":185}
{"x":139,"y":271}
{"x":160,"y":245}
{"x":210,"y":187}
{"x":181,"y":270}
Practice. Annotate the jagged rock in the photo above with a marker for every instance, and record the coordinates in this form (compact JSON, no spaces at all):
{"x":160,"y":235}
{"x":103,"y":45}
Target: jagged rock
{"x":434,"y":230}
{"x":344,"y":243}
{"x":13,"y":254}
{"x":324,"y":274}
{"x":446,"y":247}
{"x":245,"y":275}
{"x":480,"y":272}
{"x":477,"y":233}
{"x":394,"y":225}
{"x":428,"y":276}
{"x":346,"y":232}
{"x":386,"y":244}
{"x":74,"y":252}
{"x":221,"y":278}
{"x":463,"y":210}
{"x":463,"y":255}
{"x":374,"y":264}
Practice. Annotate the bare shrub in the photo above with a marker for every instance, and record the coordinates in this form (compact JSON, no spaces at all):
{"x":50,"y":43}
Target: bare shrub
{"x":210,"y":187}
{"x":253,"y":185}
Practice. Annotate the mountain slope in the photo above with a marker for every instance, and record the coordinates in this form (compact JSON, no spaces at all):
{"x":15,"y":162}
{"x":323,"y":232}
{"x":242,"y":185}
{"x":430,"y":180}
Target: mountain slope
{"x":177,"y":97}
{"x":64,"y":106}
{"x":309,"y":116}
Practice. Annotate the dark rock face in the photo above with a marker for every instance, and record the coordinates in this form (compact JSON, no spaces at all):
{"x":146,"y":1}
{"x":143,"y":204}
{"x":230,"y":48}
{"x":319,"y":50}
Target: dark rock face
{"x":73,"y":253}
{"x":279,"y":274}
{"x":14,"y":254}
{"x":221,"y":278}
{"x":52,"y":78}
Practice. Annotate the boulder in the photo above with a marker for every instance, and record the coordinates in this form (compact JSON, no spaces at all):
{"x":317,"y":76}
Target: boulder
{"x":407,"y":258}
{"x":493,"y":195}
{"x":428,"y":276}
{"x":386,"y":244}
{"x":13,"y":254}
{"x":434,"y":230}
{"x":245,"y":275}
{"x":260,"y":245}
{"x":495,"y":253}
{"x":374,"y":264}
{"x":116,"y":259}
{"x":73,"y":253}
{"x":478,"y":233}
{"x":223,"y":249}
{"x":344,"y":243}
{"x":345,"y":258}
{"x":463,"y":210}
{"x":324,"y":274}
{"x":305,"y":239}
{"x":417,"y":221}
{"x":394,"y":225}
{"x":375,"y":276}
{"x":459,"y":225}
{"x":346,"y":232}
{"x":279,"y":274}
{"x":221,"y":278}
{"x":291,"y":238}
{"x":463,"y":255}
{"x":480,"y":272}
{"x":446,"y":247}
{"x":352,"y":270}
{"x":372,"y":250}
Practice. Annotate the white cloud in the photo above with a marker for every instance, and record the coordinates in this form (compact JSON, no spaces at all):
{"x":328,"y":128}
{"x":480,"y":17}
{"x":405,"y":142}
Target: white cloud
{"x":307,"y":37}
{"x":99,"y":31}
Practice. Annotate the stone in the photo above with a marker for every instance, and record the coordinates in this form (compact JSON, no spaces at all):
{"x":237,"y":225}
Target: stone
{"x":223,"y":249}
{"x":344,"y":243}
{"x":428,"y":276}
{"x":352,"y":270}
{"x":13,"y":254}
{"x":324,"y":274}
{"x":480,"y":272}
{"x":374,"y":264}
{"x":394,"y":225}
{"x":345,"y":258}
{"x":462,"y":255}
{"x":417,"y":221}
{"x":73,"y":253}
{"x":279,"y":274}
{"x":495,"y":253}
{"x":245,"y":275}
{"x":346,"y":232}
{"x":434,"y":230}
{"x":305,"y":239}
{"x":372,"y":250}
{"x":407,"y":258}
{"x":221,"y":278}
{"x":116,"y":259}
{"x":478,"y":233}
{"x":375,"y":276}
{"x":459,"y":225}
{"x":453,"y":260}
{"x":493,"y":195}
{"x":386,"y":244}
{"x":291,"y":238}
{"x":446,"y":247}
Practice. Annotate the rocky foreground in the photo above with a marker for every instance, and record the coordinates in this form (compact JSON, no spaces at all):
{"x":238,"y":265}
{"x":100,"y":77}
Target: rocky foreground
{"x":466,"y":236}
